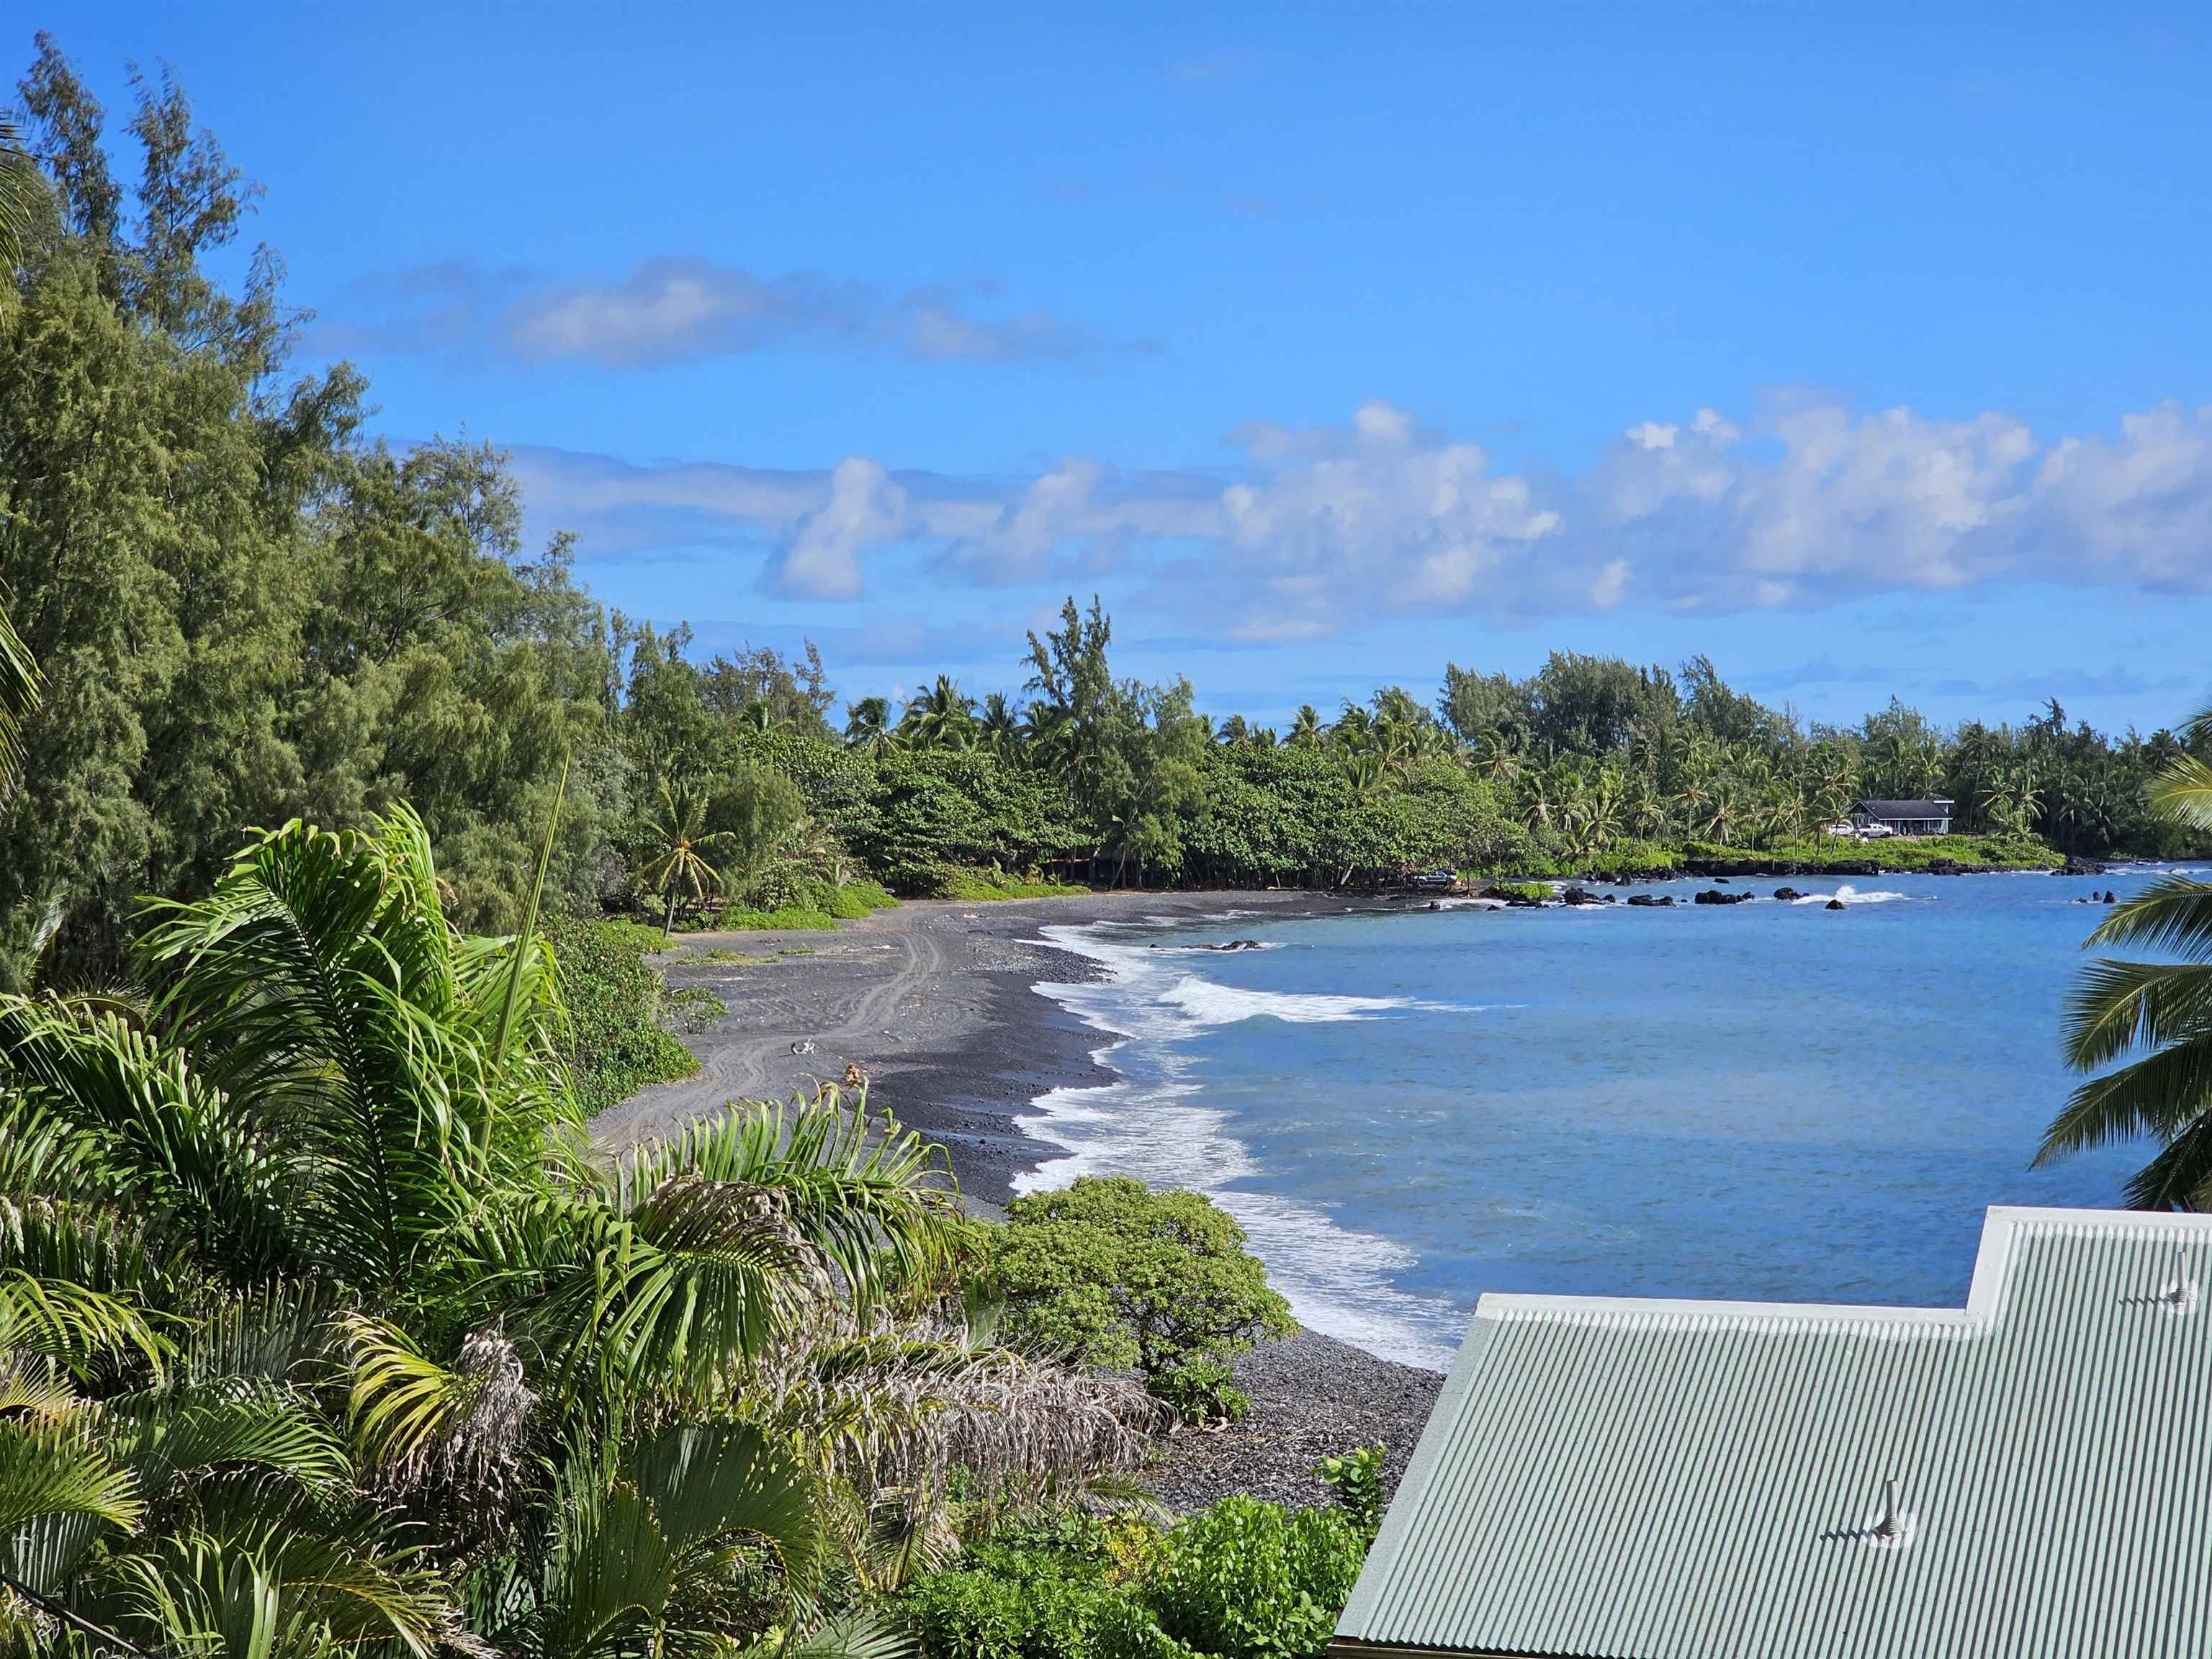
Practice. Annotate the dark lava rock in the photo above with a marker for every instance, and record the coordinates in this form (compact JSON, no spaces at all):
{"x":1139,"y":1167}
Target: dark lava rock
{"x":1651,"y":900}
{"x":1721,"y":879}
{"x":1833,"y":904}
{"x":1714,"y":896}
{"x":1786,"y":894}
{"x":1584,"y":896}
{"x":1947,"y":867}
{"x":1855,"y":867}
{"x":2080,"y":866}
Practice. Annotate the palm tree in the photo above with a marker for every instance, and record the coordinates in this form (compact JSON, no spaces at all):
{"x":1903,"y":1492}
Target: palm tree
{"x":1002,"y":727}
{"x":2158,"y":1012}
{"x":941,"y":718}
{"x":683,"y":850}
{"x":318,"y":1331}
{"x":1305,"y":728}
{"x":867,"y":722}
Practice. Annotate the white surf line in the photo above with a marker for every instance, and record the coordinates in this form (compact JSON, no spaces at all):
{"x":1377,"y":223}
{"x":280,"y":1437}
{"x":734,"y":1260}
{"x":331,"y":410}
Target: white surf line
{"x":1337,"y":1279}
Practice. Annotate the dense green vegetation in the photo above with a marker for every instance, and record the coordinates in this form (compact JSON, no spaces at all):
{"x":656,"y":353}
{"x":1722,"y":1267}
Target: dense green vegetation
{"x":2155,"y":1017}
{"x":247,"y":610}
{"x":325,"y":1332}
{"x":617,"y":1037}
{"x":1243,"y":1580}
{"x":1110,"y":1272}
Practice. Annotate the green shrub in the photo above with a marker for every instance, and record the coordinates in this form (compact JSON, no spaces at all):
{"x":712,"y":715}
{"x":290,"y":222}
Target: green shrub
{"x":1039,"y":1590}
{"x":694,"y":1008}
{"x":1201,"y":1391}
{"x":1115,"y":1275}
{"x":1354,"y":1478}
{"x":737,"y":919}
{"x":616,"y":1001}
{"x":1245,"y":1579}
{"x":1252,"y":1580}
{"x":981,"y":886}
{"x":1903,"y":853}
{"x":816,"y":906}
{"x":1539,"y":890}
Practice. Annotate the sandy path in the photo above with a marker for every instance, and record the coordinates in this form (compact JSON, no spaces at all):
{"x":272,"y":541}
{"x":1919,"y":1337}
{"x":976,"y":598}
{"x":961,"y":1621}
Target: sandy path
{"x":848,"y":993}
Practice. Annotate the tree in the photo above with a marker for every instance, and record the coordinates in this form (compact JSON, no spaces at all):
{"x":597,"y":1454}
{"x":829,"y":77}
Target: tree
{"x":681,"y":851}
{"x":1113,"y":1273}
{"x":757,"y":818}
{"x":2161,"y":1012}
{"x":940,"y":718}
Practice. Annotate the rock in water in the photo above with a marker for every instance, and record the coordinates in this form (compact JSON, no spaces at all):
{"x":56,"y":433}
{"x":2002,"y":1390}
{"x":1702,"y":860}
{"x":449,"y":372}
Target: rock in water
{"x":1833,"y":904}
{"x":1651,"y":901}
{"x":1788,"y":894}
{"x":1714,"y":896}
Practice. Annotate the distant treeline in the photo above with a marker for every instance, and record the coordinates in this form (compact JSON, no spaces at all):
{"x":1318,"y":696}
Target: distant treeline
{"x":244,"y":611}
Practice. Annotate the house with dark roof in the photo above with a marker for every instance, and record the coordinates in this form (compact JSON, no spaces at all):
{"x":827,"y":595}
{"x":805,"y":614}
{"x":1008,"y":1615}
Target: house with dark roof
{"x":2028,"y":1475}
{"x":1904,"y":817}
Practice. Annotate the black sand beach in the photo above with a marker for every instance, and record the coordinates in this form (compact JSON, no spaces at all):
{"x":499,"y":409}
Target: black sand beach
{"x":934,"y":1002}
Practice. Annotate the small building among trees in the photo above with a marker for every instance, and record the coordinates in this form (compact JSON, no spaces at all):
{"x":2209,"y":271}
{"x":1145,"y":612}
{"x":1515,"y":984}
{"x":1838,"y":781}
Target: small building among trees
{"x":1904,"y":817}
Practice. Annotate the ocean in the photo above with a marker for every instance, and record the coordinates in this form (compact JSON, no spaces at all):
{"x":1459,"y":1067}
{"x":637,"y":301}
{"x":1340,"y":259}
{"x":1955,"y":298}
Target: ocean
{"x":1770,"y":1100}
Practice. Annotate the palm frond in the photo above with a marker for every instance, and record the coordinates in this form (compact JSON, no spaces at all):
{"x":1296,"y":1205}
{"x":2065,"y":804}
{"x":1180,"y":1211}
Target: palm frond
{"x":2174,"y":914}
{"x":2118,"y":1005}
{"x":851,"y":1636}
{"x":18,"y":674}
{"x":2182,"y":793}
{"x":321,"y":980}
{"x":144,"y":1123}
{"x":708,"y":1481}
{"x":165,"y":1435}
{"x":2160,"y":1095}
{"x":609,"y":1576}
{"x":275,"y":1580}
{"x":877,"y":1201}
{"x":48,"y":1471}
{"x":418,"y":1422}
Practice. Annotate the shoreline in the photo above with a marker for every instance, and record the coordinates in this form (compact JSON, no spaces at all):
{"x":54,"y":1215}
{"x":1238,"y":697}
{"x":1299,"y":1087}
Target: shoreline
{"x":936,"y":1002}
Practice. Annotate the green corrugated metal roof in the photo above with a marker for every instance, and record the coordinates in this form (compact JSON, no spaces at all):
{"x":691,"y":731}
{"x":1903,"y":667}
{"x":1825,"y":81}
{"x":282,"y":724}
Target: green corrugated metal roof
{"x":1625,"y":1479}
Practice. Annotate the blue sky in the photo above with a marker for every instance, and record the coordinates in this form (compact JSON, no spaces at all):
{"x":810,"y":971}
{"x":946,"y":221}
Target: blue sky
{"x":1864,"y":349}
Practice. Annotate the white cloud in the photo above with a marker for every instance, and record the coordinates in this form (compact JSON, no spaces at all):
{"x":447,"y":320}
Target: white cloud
{"x":822,"y":561}
{"x":678,"y":310}
{"x":1317,"y":529}
{"x":682,"y":310}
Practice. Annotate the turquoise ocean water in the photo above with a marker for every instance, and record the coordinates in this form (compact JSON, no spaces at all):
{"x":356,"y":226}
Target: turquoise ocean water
{"x":1770,"y":1100}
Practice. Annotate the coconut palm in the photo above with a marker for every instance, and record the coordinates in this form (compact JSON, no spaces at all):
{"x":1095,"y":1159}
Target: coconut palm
{"x":1001,"y":727}
{"x":867,"y":723}
{"x":940,"y":718}
{"x":681,"y":850}
{"x":2160,"y":1013}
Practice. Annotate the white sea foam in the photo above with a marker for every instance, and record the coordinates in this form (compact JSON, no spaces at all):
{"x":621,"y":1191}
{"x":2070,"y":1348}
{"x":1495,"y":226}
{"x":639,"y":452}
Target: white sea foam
{"x":1851,"y":895}
{"x":1338,"y":1279}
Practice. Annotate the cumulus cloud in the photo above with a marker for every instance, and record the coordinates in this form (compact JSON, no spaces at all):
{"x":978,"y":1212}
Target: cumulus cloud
{"x":678,"y":310}
{"x":1316,"y":530}
{"x":865,"y":507}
